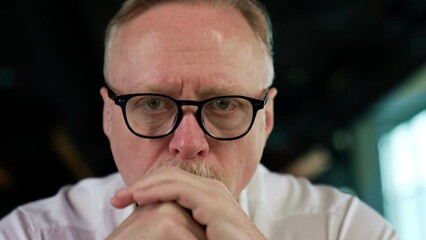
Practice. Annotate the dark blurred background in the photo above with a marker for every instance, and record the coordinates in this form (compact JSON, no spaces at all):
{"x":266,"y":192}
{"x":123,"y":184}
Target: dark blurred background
{"x":333,"y":59}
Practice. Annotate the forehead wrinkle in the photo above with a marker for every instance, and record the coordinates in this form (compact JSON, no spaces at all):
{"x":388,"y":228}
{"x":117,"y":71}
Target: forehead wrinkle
{"x":197,"y":86}
{"x":213,"y":92}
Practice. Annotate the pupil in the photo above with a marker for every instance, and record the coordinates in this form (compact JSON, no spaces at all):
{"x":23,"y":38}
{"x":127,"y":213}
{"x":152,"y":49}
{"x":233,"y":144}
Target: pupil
{"x":222,"y":104}
{"x":153,"y":103}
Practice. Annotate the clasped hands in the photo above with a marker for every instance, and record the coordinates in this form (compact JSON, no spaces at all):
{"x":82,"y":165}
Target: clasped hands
{"x":175,"y":204}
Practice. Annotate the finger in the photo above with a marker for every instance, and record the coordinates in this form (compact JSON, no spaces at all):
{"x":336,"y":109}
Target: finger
{"x":177,"y":221}
{"x":159,"y":221}
{"x":123,"y":197}
{"x":205,"y":203}
{"x":193,"y":227}
{"x":166,"y":192}
{"x":176,"y":184}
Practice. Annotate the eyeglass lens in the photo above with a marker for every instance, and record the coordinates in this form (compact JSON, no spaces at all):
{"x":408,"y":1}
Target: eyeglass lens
{"x":224,"y":117}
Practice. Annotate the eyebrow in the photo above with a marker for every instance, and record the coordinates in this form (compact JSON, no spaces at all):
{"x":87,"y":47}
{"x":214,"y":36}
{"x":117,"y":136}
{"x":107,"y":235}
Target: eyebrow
{"x":218,"y":92}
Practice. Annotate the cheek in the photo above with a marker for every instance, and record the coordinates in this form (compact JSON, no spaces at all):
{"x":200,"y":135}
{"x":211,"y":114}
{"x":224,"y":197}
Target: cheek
{"x":252,"y":152}
{"x":133,"y":155}
{"x":243,"y":156}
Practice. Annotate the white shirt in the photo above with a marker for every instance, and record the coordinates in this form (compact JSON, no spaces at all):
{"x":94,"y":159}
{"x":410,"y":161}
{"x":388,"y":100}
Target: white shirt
{"x":281,"y":206}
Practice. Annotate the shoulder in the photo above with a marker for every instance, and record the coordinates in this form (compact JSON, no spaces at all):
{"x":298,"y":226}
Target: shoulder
{"x":276,"y":200}
{"x":76,"y":210}
{"x":294,"y":195}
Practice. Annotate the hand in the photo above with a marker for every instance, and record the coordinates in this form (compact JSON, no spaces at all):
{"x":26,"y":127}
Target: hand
{"x":159,"y":221}
{"x":210,"y":202}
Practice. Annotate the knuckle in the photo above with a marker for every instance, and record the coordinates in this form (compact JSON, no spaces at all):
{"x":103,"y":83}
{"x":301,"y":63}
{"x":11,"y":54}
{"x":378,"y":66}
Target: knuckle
{"x":166,"y":225}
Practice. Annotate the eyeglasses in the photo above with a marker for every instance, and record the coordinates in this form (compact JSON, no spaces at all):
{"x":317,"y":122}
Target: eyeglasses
{"x":150,"y":115}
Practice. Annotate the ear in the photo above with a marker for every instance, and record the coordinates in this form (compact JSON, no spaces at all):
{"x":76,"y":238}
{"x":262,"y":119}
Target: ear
{"x":106,"y":113}
{"x":269,"y":112}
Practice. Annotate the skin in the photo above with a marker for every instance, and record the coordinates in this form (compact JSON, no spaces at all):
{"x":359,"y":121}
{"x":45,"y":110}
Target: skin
{"x":187,"y":52}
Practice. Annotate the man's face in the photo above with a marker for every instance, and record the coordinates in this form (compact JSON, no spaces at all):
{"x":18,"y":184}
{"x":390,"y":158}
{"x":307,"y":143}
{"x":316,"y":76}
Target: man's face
{"x":189,"y":52}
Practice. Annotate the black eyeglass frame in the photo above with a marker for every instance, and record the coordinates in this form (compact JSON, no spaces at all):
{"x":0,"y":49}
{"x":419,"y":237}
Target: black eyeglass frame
{"x":121,"y":101}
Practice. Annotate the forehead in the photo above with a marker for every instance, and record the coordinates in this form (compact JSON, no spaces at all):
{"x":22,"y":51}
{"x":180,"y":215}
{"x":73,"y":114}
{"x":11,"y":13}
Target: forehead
{"x":189,"y":17}
{"x":181,"y":42}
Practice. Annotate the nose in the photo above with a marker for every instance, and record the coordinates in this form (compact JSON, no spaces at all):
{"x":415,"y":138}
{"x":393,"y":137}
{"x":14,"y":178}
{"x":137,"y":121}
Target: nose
{"x":188,"y":140}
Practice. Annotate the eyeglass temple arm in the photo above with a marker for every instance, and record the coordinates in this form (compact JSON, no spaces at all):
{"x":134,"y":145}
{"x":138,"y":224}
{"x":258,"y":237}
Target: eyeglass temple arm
{"x":111,"y":93}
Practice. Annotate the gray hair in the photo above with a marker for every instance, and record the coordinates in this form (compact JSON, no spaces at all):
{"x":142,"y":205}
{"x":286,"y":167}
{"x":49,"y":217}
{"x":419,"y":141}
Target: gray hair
{"x":253,"y":11}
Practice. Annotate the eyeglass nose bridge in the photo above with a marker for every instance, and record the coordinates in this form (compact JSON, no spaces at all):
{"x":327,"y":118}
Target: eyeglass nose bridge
{"x":198,"y":115}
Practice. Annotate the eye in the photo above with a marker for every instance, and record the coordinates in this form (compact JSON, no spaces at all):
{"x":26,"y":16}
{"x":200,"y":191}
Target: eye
{"x":153,"y":103}
{"x":223,"y":104}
